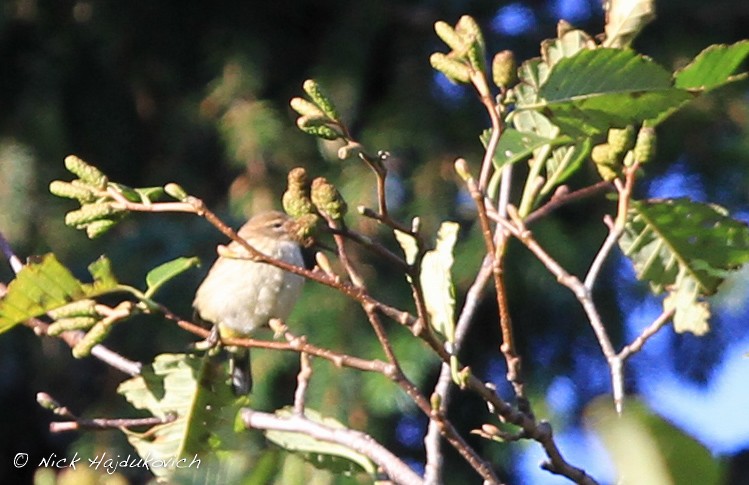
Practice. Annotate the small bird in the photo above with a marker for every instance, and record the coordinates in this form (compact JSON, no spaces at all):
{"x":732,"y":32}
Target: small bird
{"x":240,"y":295}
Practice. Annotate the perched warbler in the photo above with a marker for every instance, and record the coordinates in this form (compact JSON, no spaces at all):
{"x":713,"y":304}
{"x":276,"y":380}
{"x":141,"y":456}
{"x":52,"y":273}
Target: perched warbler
{"x":240,"y":295}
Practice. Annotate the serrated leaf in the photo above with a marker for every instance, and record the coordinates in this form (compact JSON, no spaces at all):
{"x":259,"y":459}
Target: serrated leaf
{"x":45,"y":284}
{"x":436,"y":281}
{"x":625,"y":19}
{"x":662,"y":236}
{"x":193,"y":388}
{"x":332,"y":456}
{"x":713,"y":67}
{"x":597,"y":89}
{"x":569,"y":44}
{"x":691,"y":313}
{"x":686,"y":248}
{"x":161,"y":274}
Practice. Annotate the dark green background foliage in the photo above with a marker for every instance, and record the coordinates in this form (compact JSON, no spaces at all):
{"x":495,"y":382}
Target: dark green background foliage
{"x":197,"y":93}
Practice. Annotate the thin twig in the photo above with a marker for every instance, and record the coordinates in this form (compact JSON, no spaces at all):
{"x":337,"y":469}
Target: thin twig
{"x":636,"y":345}
{"x":100,"y":424}
{"x":562,"y":197}
{"x":302,"y":381}
{"x":396,"y":470}
{"x":292,"y":344}
{"x":497,"y":251}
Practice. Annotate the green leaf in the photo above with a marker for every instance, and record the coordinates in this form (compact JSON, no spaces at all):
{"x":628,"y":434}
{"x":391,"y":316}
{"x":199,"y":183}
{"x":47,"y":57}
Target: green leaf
{"x":436,"y":281}
{"x":564,"y":162}
{"x":646,"y":448}
{"x":713,"y":67}
{"x":196,"y":391}
{"x":686,"y":248}
{"x":45,"y":284}
{"x":515,"y":145}
{"x":332,"y":456}
{"x":597,"y":89}
{"x":161,"y":274}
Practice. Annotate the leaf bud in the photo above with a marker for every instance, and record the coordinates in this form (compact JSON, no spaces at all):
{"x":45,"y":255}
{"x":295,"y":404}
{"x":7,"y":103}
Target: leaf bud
{"x":73,"y":323}
{"x":455,"y":70}
{"x":322,"y":131}
{"x":97,"y":228}
{"x":504,"y":69}
{"x":70,"y":191}
{"x":88,"y":173}
{"x":313,"y":90}
{"x":89,"y":213}
{"x":450,"y":37}
{"x":621,"y":139}
{"x":93,"y":337}
{"x":470,"y":32}
{"x":176,"y":191}
{"x":80,"y":308}
{"x":645,"y":145}
{"x":306,"y":108}
{"x":327,"y":199}
{"x":296,"y":200}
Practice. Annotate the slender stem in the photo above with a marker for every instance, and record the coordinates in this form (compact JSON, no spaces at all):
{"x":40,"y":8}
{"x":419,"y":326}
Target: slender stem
{"x":563,"y":197}
{"x":302,"y":381}
{"x":478,"y":79}
{"x":595,"y":267}
{"x":100,"y":424}
{"x":395,"y":469}
{"x":532,"y":187}
{"x":497,"y":252}
{"x":637,"y":344}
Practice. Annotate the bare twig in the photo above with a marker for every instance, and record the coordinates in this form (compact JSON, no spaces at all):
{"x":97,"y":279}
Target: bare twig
{"x":302,"y":381}
{"x":562,"y":197}
{"x":636,"y":345}
{"x":395,"y":469}
{"x":496,"y":250}
{"x":100,"y":424}
{"x":76,"y":423}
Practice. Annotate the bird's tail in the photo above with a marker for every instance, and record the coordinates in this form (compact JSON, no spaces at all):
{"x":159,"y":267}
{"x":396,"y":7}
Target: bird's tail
{"x":240,"y":370}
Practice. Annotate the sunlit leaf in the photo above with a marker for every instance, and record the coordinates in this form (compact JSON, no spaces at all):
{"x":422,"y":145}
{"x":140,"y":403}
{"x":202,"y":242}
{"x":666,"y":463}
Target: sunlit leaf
{"x":323,"y":454}
{"x":686,"y":248}
{"x":161,"y":274}
{"x":691,"y":312}
{"x":713,"y":67}
{"x":195,"y":390}
{"x":45,"y":284}
{"x":597,"y":89}
{"x":436,"y":281}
